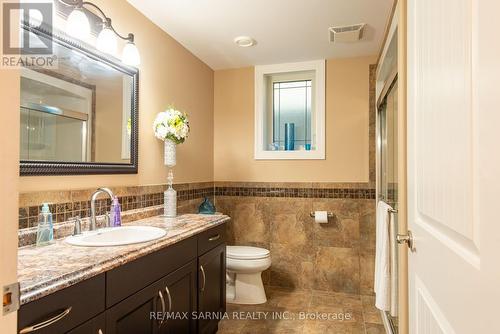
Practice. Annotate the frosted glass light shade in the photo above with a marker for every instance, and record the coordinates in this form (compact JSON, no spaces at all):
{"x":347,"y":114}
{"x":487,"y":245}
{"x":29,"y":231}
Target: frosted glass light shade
{"x":131,"y":55}
{"x":36,"y":17}
{"x":106,"y":41}
{"x":78,"y":24}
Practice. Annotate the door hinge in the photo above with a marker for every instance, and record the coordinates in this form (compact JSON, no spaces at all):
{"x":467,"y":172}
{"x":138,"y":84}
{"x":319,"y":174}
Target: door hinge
{"x":11,"y":298}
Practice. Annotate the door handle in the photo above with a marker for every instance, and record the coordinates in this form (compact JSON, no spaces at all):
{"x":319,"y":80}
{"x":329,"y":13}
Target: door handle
{"x":406,"y":239}
{"x":169,"y":299}
{"x":204,"y":278}
{"x":163,"y":322}
{"x":162,"y":300}
{"x":46,"y":323}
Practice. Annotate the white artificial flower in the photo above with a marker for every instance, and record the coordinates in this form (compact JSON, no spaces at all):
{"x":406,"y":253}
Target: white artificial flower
{"x":162,"y":132}
{"x":173,"y":123}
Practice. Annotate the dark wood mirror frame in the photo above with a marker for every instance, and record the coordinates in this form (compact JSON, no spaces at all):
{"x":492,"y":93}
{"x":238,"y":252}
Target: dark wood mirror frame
{"x":33,"y":168}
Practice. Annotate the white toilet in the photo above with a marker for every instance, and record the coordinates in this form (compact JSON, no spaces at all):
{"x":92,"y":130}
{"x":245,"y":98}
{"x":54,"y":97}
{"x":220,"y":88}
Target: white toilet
{"x":244,"y":265}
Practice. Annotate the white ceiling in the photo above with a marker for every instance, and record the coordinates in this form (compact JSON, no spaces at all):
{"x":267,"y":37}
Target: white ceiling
{"x":285,"y":30}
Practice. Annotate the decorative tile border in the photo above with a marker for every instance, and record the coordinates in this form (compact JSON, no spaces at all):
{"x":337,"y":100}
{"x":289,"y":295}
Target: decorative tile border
{"x":297,"y":192}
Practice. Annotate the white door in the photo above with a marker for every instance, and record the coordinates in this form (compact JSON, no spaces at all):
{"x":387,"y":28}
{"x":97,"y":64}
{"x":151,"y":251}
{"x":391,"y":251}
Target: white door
{"x":454,"y":165}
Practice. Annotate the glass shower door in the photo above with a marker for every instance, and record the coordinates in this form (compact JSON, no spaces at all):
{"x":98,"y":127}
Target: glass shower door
{"x":387,"y":148}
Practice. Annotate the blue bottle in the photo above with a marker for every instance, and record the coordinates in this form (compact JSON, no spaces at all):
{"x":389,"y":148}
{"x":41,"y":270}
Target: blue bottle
{"x":289,"y":136}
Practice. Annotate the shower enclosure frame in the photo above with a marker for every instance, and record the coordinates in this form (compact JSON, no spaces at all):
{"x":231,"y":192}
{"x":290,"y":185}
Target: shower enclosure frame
{"x":390,"y":323}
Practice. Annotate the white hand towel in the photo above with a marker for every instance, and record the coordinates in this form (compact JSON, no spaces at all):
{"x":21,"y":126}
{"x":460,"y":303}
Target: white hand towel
{"x":382,"y":286}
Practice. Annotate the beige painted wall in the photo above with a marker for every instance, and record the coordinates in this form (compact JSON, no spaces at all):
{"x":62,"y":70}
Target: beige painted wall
{"x":9,"y":161}
{"x":9,"y":88}
{"x":347,"y":85}
{"x":403,"y":302}
{"x":169,"y":74}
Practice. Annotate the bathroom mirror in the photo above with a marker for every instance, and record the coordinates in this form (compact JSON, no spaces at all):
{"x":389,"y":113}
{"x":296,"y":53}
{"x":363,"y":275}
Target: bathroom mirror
{"x":78,"y":116}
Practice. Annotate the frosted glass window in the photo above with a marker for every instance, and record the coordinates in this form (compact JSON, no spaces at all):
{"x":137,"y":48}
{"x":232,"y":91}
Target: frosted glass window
{"x":290,"y":111}
{"x":292,"y":104}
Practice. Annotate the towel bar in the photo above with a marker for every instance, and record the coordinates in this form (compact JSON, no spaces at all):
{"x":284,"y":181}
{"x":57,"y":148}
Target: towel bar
{"x":391,"y":210}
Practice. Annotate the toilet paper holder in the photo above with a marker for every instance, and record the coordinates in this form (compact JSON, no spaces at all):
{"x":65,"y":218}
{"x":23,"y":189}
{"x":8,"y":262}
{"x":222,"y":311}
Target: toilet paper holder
{"x":328,"y":214}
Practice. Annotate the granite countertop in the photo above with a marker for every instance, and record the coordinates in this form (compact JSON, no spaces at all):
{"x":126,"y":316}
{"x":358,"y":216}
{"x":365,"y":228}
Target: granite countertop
{"x":44,"y":270}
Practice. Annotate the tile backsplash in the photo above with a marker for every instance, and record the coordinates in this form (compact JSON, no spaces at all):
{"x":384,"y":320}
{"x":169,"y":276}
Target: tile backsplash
{"x":67,"y":204}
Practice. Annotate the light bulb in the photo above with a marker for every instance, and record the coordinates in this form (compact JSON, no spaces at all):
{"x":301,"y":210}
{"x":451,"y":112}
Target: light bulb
{"x":36,"y":18}
{"x":78,"y":24}
{"x":106,"y":41}
{"x":131,"y":54}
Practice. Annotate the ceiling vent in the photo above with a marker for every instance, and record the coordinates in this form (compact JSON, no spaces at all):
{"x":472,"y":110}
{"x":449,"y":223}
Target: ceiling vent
{"x":345,"y":34}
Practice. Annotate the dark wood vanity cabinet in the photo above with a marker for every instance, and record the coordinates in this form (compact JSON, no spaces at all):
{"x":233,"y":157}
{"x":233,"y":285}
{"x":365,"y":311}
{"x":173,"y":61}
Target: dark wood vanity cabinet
{"x":178,"y":289}
{"x":133,"y":315}
{"x":63,"y":310}
{"x":212,"y":288}
{"x":182,"y":290}
{"x":163,"y":307}
{"x":96,"y":325}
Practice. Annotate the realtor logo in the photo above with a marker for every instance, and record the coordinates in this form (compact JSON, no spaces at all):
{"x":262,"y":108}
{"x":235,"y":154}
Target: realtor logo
{"x":20,"y":47}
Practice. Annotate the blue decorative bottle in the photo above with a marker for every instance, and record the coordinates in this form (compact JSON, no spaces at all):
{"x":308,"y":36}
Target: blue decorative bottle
{"x":206,"y":207}
{"x":289,"y":136}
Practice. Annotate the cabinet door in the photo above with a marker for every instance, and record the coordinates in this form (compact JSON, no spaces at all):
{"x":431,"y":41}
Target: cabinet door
{"x":180,"y":299}
{"x":96,"y":325}
{"x":65,"y":309}
{"x":211,"y":288}
{"x":138,"y":313}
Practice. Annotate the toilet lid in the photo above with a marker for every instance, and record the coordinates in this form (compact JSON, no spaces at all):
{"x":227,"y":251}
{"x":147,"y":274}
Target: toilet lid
{"x":246,"y":252}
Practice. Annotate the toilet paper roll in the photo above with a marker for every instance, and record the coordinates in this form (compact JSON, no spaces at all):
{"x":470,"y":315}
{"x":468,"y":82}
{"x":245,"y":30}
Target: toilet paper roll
{"x":321,"y":217}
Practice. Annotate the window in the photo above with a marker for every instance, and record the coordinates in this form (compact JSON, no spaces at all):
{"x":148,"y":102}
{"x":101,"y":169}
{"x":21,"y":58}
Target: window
{"x":292,"y":105}
{"x":289,"y":111}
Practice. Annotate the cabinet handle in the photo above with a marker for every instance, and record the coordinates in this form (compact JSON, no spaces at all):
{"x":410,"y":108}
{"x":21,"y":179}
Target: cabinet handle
{"x":162,"y":300}
{"x":45,"y":323}
{"x":215,"y":237}
{"x":163,"y":322}
{"x":204,"y":278}
{"x":169,"y":299}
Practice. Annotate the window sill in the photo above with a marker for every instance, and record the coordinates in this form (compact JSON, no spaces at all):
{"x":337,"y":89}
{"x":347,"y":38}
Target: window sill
{"x":289,"y":155}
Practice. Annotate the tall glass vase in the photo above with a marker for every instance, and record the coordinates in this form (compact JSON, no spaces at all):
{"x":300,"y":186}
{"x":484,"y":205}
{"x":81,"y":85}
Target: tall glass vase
{"x":170,"y":198}
{"x":170,"y":155}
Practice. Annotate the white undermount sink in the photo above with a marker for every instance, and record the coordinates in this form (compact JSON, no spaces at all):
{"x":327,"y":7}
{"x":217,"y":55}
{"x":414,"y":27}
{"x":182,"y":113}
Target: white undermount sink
{"x":116,"y":236}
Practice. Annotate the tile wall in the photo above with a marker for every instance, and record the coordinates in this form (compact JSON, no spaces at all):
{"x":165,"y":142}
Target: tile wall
{"x":338,"y":256}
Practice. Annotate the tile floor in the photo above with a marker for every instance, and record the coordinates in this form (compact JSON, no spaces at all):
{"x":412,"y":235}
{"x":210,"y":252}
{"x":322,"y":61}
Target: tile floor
{"x":360,"y":316}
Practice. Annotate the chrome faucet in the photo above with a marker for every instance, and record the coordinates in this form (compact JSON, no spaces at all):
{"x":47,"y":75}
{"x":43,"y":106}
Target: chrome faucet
{"x":92,"y":206}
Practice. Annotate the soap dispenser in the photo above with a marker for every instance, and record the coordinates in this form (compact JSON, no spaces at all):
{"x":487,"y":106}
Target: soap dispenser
{"x":116,"y":219}
{"x":45,"y":232}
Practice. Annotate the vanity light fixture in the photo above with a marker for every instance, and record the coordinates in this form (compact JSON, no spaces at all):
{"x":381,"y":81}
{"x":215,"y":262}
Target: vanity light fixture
{"x":130,"y":54}
{"x":245,"y":41}
{"x":78,"y":26}
{"x":106,"y":40}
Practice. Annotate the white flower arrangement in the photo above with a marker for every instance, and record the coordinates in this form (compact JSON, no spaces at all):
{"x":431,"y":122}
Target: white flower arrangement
{"x":171,"y":124}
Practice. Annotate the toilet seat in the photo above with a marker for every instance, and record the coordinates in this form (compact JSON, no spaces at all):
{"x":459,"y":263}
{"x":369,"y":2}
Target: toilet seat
{"x":246,"y":253}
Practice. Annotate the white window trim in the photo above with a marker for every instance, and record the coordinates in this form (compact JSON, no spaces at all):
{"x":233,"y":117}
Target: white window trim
{"x":318,"y":66}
